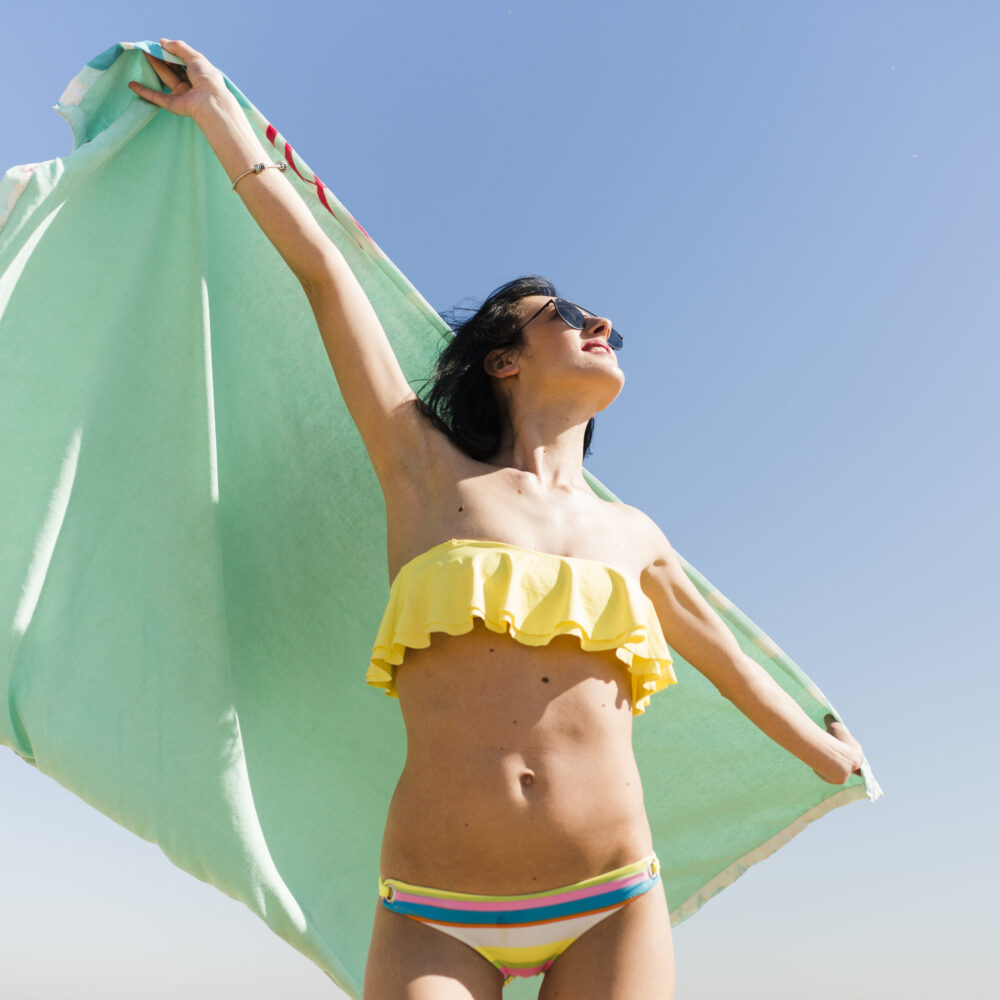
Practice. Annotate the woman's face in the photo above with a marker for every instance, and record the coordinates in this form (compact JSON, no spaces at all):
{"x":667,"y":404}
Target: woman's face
{"x":554,"y":350}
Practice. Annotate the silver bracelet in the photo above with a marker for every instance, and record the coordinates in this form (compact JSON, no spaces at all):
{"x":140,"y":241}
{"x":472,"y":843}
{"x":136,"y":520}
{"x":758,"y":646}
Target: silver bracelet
{"x":258,"y":168}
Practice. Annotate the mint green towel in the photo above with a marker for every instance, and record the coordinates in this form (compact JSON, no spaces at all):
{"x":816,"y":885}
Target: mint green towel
{"x":192,"y":552}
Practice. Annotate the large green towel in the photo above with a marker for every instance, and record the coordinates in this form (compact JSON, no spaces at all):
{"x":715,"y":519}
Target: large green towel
{"x":192,"y":552}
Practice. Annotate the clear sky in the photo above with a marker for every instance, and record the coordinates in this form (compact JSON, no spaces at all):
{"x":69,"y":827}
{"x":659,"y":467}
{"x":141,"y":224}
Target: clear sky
{"x":791,"y":211}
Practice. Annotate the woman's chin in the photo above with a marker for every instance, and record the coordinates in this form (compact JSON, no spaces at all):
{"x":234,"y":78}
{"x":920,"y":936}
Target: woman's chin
{"x":614,"y":388}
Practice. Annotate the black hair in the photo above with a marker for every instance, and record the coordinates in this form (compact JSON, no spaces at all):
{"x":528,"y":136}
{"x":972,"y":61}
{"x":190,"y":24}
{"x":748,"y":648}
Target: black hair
{"x":462,"y":401}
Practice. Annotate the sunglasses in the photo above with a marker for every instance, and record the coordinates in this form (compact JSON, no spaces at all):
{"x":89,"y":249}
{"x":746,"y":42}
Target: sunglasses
{"x":572,"y":315}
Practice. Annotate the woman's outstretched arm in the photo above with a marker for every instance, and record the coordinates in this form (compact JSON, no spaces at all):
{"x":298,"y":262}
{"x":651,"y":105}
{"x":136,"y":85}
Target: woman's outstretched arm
{"x":370,"y":379}
{"x":695,"y":631}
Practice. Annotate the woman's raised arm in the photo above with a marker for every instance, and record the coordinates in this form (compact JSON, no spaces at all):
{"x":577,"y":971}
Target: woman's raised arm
{"x":370,"y":379}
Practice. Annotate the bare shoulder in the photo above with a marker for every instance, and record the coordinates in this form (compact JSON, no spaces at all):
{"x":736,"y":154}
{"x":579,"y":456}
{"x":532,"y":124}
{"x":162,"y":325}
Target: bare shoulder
{"x":645,"y":534}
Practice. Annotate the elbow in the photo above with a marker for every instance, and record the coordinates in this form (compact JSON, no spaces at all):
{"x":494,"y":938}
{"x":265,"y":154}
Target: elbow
{"x":735,"y":688}
{"x":312,"y":284}
{"x":325,"y":274}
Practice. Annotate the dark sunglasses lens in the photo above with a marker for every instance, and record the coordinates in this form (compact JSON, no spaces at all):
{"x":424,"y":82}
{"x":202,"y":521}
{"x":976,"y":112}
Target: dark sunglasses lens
{"x":570,"y":314}
{"x":573,"y":315}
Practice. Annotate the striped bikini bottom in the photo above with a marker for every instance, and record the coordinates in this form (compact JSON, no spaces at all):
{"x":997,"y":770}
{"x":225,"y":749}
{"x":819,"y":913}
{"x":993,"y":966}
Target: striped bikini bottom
{"x":522,"y":935}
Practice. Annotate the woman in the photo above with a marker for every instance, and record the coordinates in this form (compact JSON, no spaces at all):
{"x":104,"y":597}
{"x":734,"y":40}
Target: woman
{"x":526,"y":626}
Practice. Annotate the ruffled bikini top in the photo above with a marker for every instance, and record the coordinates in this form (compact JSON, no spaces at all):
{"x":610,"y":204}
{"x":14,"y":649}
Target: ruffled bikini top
{"x":534,"y":596}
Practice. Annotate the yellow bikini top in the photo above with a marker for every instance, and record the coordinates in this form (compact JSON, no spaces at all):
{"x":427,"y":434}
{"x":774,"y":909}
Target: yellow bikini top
{"x":534,"y":596}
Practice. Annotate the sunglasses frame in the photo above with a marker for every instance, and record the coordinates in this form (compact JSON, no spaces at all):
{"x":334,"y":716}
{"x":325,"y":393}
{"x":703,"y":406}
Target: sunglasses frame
{"x":615,"y":341}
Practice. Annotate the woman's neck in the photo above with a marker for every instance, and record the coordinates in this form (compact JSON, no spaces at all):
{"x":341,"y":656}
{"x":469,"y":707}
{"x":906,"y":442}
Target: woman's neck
{"x":546,"y":446}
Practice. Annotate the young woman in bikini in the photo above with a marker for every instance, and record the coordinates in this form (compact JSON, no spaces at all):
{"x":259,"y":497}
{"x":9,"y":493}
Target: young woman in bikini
{"x":525,"y":628}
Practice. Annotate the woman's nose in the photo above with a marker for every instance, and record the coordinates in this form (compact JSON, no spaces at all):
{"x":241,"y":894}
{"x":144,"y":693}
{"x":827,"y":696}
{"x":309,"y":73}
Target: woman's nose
{"x":597,"y":326}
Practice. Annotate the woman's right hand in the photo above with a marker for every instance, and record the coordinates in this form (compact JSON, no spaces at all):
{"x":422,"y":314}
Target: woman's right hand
{"x":193,"y":87}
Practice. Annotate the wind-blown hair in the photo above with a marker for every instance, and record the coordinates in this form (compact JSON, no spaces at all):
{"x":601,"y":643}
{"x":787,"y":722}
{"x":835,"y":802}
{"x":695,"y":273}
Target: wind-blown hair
{"x":462,"y":401}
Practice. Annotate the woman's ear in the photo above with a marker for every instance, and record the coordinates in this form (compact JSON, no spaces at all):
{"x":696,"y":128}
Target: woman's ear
{"x":502,"y":363}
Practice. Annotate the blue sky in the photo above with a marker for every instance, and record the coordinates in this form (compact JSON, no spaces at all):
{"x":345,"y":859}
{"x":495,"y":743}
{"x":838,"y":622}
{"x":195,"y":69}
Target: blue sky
{"x":791,"y":212}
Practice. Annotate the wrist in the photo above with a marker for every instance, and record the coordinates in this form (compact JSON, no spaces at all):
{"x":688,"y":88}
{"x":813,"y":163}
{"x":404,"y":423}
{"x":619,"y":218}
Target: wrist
{"x":217,"y":106}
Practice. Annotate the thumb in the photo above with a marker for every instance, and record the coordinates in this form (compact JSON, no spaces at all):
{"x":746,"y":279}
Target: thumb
{"x":833,"y":724}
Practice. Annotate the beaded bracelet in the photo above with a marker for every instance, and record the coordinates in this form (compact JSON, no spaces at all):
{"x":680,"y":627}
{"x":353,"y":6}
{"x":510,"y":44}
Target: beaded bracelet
{"x":258,"y":168}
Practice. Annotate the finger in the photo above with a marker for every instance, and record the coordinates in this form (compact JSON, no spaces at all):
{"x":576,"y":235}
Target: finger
{"x":156,"y":97}
{"x":181,"y":49}
{"x":834,"y":725}
{"x":840,"y":732}
{"x":165,"y":71}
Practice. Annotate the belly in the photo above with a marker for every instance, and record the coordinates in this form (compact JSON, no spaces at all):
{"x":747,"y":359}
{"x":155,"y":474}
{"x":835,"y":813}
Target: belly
{"x":519,"y":773}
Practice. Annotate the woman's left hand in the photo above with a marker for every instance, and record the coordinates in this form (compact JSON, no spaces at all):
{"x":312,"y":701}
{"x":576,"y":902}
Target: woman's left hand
{"x":851,"y":748}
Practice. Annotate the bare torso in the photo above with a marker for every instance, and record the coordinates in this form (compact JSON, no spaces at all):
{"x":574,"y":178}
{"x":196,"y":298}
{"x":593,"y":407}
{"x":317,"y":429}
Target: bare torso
{"x":519,"y":773}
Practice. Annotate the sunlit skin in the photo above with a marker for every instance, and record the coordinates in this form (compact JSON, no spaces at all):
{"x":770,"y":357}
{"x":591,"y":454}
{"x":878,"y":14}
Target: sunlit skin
{"x":519,"y":775}
{"x":574,"y":372}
